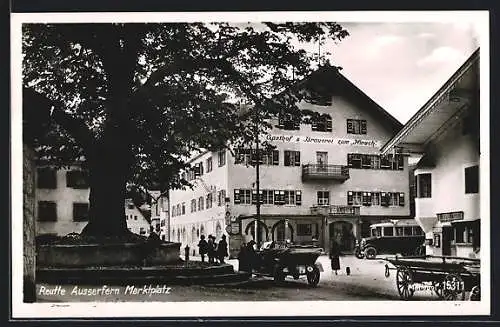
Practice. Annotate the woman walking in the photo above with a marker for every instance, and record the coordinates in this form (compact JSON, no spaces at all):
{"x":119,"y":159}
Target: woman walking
{"x":334,"y":256}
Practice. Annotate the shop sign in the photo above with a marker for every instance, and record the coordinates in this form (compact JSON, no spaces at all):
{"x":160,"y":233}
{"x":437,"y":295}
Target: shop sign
{"x":233,"y":228}
{"x":450,"y":216}
{"x":322,"y":140}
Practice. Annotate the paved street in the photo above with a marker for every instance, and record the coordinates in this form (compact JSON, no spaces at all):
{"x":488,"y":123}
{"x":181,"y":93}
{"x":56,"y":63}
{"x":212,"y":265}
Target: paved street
{"x":366,"y":282}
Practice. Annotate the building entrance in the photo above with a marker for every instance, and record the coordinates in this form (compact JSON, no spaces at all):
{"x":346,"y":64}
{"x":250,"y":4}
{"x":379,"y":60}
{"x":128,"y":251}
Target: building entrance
{"x":342,"y":233}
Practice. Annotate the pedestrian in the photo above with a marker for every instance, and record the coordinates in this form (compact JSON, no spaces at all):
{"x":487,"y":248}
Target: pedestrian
{"x":222,"y":249}
{"x":203,"y":247}
{"x":243,"y":259}
{"x":334,"y":256}
{"x":211,"y":249}
{"x":252,"y":256}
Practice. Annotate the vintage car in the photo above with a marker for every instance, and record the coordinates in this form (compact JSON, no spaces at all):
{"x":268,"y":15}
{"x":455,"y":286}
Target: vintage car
{"x":404,"y":237}
{"x":282,"y":260}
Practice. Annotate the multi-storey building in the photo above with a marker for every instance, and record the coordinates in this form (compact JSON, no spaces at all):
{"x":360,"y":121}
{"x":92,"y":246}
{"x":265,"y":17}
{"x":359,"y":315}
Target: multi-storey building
{"x":63,"y":203}
{"x":159,"y":214}
{"x":323,"y":181}
{"x":445,"y":134}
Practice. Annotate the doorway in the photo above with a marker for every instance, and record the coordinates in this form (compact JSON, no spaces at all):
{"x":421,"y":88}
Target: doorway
{"x":321,"y":160}
{"x":342,"y":233}
{"x":446,"y":240}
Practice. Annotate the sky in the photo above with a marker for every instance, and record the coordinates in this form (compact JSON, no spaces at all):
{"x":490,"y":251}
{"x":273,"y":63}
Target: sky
{"x":401,"y":65}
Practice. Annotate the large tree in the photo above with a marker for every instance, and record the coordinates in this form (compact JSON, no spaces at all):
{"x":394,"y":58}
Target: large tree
{"x":134,"y":100}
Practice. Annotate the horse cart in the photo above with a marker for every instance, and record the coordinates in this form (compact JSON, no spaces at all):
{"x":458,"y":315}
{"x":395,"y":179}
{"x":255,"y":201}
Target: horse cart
{"x":448,"y":277}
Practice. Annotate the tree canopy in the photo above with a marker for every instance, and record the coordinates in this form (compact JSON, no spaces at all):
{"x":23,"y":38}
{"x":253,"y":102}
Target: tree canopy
{"x":167,"y":86}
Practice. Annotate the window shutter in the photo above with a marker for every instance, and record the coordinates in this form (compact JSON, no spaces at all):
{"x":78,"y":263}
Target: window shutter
{"x":277,"y":197}
{"x":276,"y":157}
{"x":363,"y":126}
{"x":349,"y":198}
{"x":298,"y":198}
{"x":297,"y":158}
{"x":314,"y":124}
{"x":349,"y":159}
{"x":400,"y":162}
{"x":237,"y":199}
{"x":350,"y":127}
{"x":329,"y":124}
{"x":296,"y":123}
{"x":254,"y":197}
{"x":402,"y":199}
{"x":384,"y":200}
{"x":281,"y":121}
{"x":287,"y":158}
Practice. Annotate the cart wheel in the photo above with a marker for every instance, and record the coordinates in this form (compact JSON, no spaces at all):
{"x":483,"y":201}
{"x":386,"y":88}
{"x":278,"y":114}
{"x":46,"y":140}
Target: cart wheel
{"x":313,"y":277}
{"x":475,"y":294}
{"x":453,"y":288}
{"x":404,"y":282}
{"x":438,"y":289}
{"x":370,"y":253}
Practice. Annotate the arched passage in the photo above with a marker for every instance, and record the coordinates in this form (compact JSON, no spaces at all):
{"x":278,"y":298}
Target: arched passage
{"x":280,"y":234}
{"x":262,"y":230}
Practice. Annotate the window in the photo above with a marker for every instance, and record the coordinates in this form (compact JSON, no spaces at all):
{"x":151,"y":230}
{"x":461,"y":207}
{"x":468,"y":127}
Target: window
{"x":290,"y":197}
{"x":288,"y":122}
{"x":135,"y":217}
{"x":267,"y":196}
{"x":358,"y":198}
{"x":322,"y":124}
{"x":178,"y":208}
{"x":201,"y":203}
{"x":243,"y":156}
{"x":376,"y":198}
{"x":162,"y":223}
{"x":292,"y":158}
{"x":399,"y":231}
{"x":375,"y":162}
{"x":393,"y":199}
{"x":356,"y":126}
{"x":279,"y":197}
{"x":209,"y":165}
{"x":367,"y":199}
{"x":472,"y":179}
{"x":173,"y":211}
{"x":221,"y":198}
{"x":304,"y":229}
{"x":183,"y":208}
{"x":76,"y":179}
{"x":366,"y":161}
{"x":417,"y":230}
{"x":407,"y":231}
{"x":221,"y":157}
{"x":323,"y":198}
{"x":386,"y":162}
{"x":80,"y":211}
{"x":271,"y":158}
{"x":46,"y":178}
{"x":47,"y":211}
{"x":209,"y":200}
{"x":388,"y":231}
{"x":193,"y":205}
{"x":247,"y":197}
{"x":424,"y":186}
{"x":354,"y":160}
{"x":142,"y":231}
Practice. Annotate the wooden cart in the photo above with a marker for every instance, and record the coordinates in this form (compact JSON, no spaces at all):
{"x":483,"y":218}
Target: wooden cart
{"x":449,"y":277}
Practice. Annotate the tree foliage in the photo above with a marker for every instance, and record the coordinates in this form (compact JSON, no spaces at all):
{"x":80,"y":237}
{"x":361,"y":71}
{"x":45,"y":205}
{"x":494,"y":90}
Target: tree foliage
{"x":156,"y":92}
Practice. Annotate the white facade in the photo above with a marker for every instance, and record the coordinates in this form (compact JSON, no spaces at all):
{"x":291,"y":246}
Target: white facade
{"x":136,"y":222}
{"x":62,"y":206}
{"x":341,"y":216}
{"x":447,"y":176}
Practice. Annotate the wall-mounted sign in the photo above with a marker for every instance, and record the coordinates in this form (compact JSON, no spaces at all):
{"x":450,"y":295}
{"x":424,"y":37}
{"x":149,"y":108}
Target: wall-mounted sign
{"x":233,"y":228}
{"x":437,"y":240}
{"x":322,"y":140}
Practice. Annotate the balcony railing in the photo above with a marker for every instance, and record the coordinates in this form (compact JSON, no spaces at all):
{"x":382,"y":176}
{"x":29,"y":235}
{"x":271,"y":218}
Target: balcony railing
{"x":315,"y":172}
{"x":335,"y":210}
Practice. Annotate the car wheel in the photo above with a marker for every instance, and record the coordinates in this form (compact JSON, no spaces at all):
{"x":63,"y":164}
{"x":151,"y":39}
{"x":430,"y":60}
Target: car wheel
{"x":313,"y":277}
{"x":358,"y":253}
{"x":370,"y":253}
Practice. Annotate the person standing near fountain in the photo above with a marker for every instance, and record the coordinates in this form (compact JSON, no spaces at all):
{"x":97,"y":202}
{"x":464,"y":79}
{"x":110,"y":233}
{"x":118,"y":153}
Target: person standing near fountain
{"x":203,"y":247}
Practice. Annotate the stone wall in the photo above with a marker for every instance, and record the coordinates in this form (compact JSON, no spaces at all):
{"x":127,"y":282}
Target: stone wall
{"x":29,"y":250}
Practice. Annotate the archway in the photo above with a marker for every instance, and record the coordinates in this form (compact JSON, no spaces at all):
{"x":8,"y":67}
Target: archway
{"x":343,"y":233}
{"x":262,"y":231}
{"x":279,"y":234}
{"x":218,"y":231}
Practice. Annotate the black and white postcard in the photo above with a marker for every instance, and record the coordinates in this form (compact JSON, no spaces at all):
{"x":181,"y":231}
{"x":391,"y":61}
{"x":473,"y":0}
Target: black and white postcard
{"x":250,"y":164}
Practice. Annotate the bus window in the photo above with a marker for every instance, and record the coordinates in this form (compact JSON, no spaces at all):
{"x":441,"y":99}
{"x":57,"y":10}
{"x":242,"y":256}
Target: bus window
{"x":407,"y":231}
{"x":417,"y":230}
{"x":399,"y":231}
{"x":379,"y":231}
{"x":388,"y":231}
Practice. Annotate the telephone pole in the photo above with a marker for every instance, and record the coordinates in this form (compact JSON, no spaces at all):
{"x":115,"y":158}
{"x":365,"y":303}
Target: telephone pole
{"x":257,"y":175}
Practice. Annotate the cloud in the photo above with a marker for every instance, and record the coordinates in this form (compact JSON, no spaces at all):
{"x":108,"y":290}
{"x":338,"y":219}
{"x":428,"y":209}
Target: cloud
{"x":441,"y":55}
{"x":426,"y":35}
{"x":379,"y":43}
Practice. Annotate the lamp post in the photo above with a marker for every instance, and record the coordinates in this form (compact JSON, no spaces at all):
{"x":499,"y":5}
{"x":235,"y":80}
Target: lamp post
{"x":257,"y":176}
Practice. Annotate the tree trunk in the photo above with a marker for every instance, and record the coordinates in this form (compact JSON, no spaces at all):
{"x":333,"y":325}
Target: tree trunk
{"x":108,"y":172}
{"x":29,"y":251}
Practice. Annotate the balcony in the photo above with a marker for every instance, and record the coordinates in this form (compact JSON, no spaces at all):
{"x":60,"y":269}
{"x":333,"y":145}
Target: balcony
{"x":335,"y":210}
{"x":325,"y":172}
